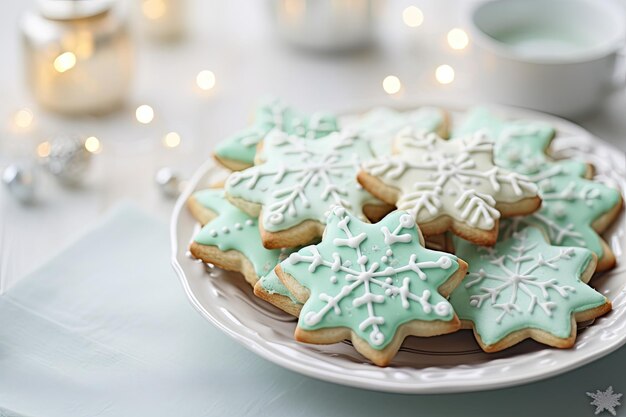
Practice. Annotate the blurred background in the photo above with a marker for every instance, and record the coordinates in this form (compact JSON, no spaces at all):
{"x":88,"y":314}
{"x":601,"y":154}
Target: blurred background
{"x":119,"y":101}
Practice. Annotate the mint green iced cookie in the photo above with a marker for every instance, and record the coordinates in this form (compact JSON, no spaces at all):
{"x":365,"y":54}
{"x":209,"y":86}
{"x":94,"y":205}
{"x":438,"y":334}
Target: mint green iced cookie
{"x":237,"y":152}
{"x":525,"y":288}
{"x":372,"y":283}
{"x":299,"y":181}
{"x":231,"y":240}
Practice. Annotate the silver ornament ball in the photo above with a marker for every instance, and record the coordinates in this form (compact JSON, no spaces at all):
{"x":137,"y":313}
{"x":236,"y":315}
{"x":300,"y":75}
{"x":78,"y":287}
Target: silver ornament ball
{"x":20,"y":181}
{"x":168,"y":182}
{"x":68,"y":159}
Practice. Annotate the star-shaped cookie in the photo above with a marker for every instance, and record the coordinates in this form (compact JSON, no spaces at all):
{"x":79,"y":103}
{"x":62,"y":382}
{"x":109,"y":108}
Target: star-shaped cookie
{"x":292,"y":190}
{"x":238,"y":151}
{"x":449,"y":185}
{"x":372,"y":283}
{"x":230,"y":238}
{"x":524,"y":288}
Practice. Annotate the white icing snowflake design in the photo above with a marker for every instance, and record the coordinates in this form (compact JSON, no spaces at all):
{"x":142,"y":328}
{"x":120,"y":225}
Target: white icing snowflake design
{"x":523,"y":282}
{"x":302,"y":179}
{"x":350,"y":289}
{"x":516,"y":273}
{"x":605,"y":400}
{"x":457,"y":178}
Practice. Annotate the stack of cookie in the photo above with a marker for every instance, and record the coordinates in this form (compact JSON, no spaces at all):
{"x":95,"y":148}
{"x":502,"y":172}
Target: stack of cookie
{"x":381,"y":228}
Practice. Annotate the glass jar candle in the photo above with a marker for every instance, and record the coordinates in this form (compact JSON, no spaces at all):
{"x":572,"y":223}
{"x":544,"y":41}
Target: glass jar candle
{"x":77,"y":55}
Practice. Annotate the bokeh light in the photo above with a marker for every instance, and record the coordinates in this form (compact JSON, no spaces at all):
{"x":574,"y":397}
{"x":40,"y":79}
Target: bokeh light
{"x":65,"y":62}
{"x":457,"y":39}
{"x":92,"y":144}
{"x":413,"y":16}
{"x":205,"y":80}
{"x":171,"y":140}
{"x":144,"y":114}
{"x":444,"y":74}
{"x":392,"y":84}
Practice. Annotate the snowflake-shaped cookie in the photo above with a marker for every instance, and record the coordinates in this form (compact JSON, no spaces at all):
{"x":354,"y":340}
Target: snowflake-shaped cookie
{"x":381,"y":125}
{"x":240,"y":149}
{"x":572,"y":205}
{"x":297,"y":184}
{"x":532,"y":137}
{"x":368,"y":281}
{"x":524,"y":288}
{"x":231,"y":236}
{"x":449,"y":185}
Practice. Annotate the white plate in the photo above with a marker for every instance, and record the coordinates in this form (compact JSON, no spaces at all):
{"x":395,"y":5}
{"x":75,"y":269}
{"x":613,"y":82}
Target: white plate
{"x":451,"y":363}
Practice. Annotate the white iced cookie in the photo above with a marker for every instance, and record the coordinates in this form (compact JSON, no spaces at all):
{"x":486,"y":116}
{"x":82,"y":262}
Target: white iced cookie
{"x":449,"y":185}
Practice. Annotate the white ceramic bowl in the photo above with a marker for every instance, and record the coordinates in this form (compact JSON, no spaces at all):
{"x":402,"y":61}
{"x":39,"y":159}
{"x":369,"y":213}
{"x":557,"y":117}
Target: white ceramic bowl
{"x":451,"y":363}
{"x":558,"y":56}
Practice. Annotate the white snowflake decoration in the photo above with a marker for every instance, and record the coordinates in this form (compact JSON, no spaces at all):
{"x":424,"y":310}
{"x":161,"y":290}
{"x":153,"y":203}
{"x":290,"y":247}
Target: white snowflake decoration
{"x":352,"y":281}
{"x":456,"y":178}
{"x":523,"y":282}
{"x":605,"y":400}
{"x":302,"y":179}
{"x":515,"y":273}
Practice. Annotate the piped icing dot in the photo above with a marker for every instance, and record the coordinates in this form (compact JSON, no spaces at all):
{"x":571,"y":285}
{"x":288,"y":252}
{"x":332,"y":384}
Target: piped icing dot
{"x":407,"y":221}
{"x":225,"y":229}
{"x":250,"y":222}
{"x":238,"y":226}
{"x":389,"y":252}
{"x":213,"y":232}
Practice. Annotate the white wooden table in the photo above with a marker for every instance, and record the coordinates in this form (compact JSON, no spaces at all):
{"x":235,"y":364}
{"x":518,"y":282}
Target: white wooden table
{"x":235,"y":40}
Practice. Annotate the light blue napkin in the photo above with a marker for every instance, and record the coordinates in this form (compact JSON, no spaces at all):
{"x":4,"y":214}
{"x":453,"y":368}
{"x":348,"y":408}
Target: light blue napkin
{"x":105,"y":330}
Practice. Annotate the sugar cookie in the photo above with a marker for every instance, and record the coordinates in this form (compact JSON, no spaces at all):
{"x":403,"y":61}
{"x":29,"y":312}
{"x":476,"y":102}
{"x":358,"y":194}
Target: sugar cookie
{"x":230,"y":238}
{"x":524,"y":288}
{"x":372,"y":283}
{"x":292,"y":191}
{"x":449,"y":185}
{"x":237,"y":152}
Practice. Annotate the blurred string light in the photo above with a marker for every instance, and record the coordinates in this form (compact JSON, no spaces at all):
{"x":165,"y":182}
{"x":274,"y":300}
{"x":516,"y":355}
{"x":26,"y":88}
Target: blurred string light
{"x":64,"y":62}
{"x":144,"y":114}
{"x":205,"y":80}
{"x":23,"y":118}
{"x":153,"y":9}
{"x":43,"y":149}
{"x":444,"y":74}
{"x":413,"y":16}
{"x":457,"y":39}
{"x":392,"y":84}
{"x":171,"y":140}
{"x":92,"y":144}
